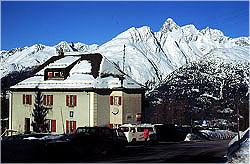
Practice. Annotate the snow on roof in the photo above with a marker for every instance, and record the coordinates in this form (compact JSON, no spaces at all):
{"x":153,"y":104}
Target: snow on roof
{"x":84,"y":67}
{"x":61,"y":63}
{"x":81,"y":77}
{"x":64,"y":62}
{"x":76,"y":81}
{"x":107,"y":68}
{"x":137,"y":125}
{"x":72,"y":53}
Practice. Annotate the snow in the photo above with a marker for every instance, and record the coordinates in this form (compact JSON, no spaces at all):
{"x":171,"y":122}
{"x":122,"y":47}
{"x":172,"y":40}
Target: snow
{"x":240,"y":155}
{"x":64,"y":62}
{"x":218,"y":134}
{"x":80,"y":77}
{"x":84,"y":67}
{"x":210,"y":96}
{"x":106,"y":68}
{"x":211,"y":135}
{"x":150,"y":56}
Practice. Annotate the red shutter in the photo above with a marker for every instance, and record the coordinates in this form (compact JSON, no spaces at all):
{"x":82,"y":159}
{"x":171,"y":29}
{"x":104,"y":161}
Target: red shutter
{"x":23,"y":99}
{"x":138,"y":116}
{"x":74,"y":126}
{"x":111,"y":100}
{"x":67,"y":126}
{"x":44,"y":99}
{"x":30,"y":99}
{"x":53,"y":128}
{"x":120,"y":100}
{"x":74,"y":100}
{"x":67,"y":100}
{"x":51,"y":100}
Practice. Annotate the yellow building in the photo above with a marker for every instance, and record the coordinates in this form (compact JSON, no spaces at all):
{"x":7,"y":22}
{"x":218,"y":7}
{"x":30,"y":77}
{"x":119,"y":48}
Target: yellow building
{"x":79,"y":90}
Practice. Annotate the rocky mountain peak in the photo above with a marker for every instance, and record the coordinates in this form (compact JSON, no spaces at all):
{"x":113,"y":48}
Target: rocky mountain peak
{"x":169,"y":26}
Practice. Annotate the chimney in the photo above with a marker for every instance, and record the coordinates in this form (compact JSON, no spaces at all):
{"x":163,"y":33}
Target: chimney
{"x":60,"y":52}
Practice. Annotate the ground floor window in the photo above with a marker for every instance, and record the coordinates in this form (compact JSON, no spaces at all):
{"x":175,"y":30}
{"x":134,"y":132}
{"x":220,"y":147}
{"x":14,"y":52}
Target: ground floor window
{"x":51,"y":125}
{"x":70,"y":126}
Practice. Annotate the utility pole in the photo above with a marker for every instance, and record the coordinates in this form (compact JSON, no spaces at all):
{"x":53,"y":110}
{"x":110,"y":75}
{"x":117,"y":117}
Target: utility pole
{"x":238,"y":116}
{"x":123,"y":65}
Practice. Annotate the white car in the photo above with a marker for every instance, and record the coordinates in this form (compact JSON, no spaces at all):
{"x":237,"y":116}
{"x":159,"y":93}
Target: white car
{"x":134,"y":132}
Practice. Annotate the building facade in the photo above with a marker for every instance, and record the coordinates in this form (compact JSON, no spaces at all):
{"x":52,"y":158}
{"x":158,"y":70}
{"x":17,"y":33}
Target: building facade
{"x":78,"y":91}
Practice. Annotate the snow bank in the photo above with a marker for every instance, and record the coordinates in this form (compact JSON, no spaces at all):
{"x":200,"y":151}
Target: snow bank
{"x":210,"y":135}
{"x":193,"y":136}
{"x":240,"y":154}
{"x":218,"y":134}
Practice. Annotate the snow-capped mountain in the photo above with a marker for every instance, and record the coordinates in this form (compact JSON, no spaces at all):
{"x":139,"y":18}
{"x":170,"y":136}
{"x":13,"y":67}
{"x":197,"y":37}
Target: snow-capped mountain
{"x":20,"y":59}
{"x":212,"y":87}
{"x":149,"y":56}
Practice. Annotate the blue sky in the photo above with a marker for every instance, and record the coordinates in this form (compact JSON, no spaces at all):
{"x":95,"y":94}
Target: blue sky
{"x":27,"y":23}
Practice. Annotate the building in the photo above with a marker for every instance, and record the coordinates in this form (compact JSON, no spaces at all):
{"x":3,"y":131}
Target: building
{"x":79,"y":90}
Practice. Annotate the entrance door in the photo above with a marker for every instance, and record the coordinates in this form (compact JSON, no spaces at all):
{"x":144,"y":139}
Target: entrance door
{"x":27,"y":125}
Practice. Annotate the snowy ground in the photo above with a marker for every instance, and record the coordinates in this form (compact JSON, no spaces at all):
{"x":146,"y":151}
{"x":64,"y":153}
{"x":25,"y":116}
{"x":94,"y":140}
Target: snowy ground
{"x":236,"y":154}
{"x":211,"y":135}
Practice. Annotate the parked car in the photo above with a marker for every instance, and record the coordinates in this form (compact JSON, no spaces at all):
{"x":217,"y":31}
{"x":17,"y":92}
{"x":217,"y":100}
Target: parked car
{"x":119,"y":138}
{"x":106,"y":139}
{"x":134,"y":132}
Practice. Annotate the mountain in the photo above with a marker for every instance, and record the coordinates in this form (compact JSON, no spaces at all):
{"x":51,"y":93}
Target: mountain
{"x":211,"y":88}
{"x":149,"y":56}
{"x":191,"y":74}
{"x":20,"y":59}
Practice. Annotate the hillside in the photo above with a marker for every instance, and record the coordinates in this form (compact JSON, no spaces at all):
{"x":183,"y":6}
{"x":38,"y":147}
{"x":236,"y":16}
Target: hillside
{"x":211,"y":88}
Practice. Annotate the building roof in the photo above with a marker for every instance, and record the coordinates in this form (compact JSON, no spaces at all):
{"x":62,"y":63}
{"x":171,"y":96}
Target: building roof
{"x":89,"y":71}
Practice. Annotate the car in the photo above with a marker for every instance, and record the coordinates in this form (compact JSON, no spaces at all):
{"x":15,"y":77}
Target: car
{"x":119,"y":138}
{"x":134,"y":132}
{"x":105,"y":139}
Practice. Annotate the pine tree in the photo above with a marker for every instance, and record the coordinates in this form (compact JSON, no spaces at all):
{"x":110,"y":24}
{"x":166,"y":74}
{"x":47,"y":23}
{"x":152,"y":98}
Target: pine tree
{"x":39,"y":114}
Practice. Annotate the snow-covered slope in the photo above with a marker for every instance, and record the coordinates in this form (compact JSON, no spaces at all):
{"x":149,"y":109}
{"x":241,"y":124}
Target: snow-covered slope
{"x":26,"y":58}
{"x":150,"y":56}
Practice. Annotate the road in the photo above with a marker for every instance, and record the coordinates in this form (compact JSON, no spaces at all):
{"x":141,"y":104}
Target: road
{"x":168,"y":152}
{"x":163,"y":152}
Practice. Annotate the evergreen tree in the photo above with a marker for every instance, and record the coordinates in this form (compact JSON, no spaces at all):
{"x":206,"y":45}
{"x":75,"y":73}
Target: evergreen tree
{"x":39,"y":114}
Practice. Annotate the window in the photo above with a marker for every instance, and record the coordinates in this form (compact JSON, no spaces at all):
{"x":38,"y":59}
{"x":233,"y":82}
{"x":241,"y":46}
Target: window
{"x":50,"y":74}
{"x":70,"y":126}
{"x":48,"y":100}
{"x":124,"y":129}
{"x":71,"y":114}
{"x":51,"y":125}
{"x":115,"y":100}
{"x":71,"y":100}
{"x":27,"y":99}
{"x":55,"y":75}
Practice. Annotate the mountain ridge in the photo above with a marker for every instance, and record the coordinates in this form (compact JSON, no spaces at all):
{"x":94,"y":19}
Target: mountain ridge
{"x":150,"y":56}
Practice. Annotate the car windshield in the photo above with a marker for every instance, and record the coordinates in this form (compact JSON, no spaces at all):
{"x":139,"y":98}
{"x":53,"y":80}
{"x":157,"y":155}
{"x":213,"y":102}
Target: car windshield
{"x":141,"y":129}
{"x":120,"y":133}
{"x":86,"y":130}
{"x":124,"y":129}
